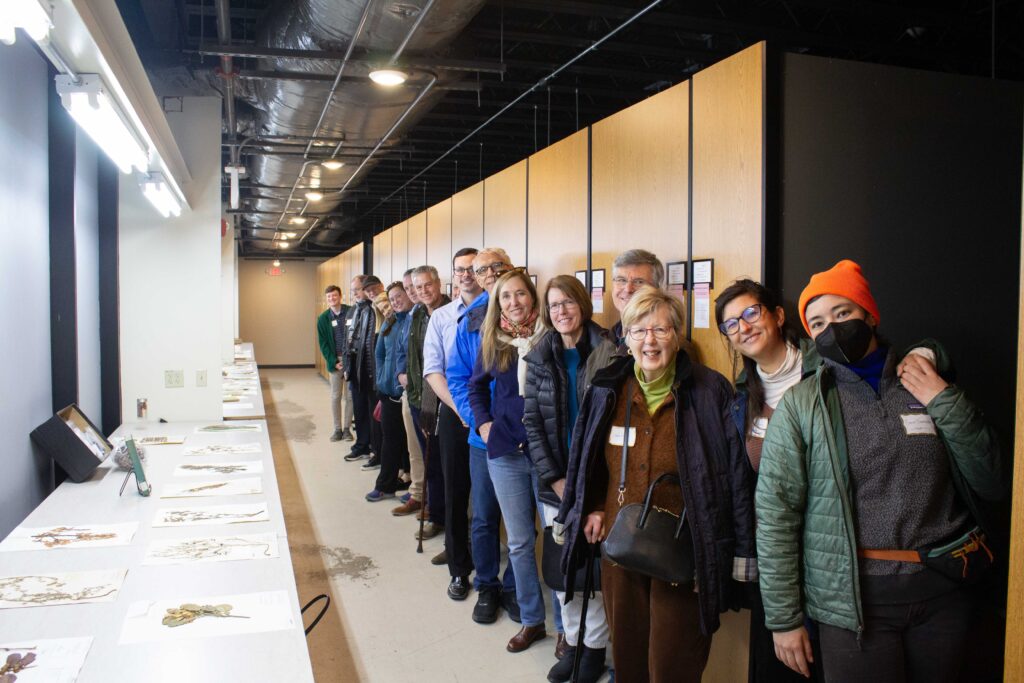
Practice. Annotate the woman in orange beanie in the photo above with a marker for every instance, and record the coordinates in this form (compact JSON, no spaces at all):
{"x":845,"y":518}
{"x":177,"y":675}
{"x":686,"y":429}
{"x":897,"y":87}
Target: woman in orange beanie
{"x":866,"y":500}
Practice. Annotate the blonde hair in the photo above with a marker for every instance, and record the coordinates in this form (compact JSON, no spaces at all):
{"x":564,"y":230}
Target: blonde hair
{"x":493,"y":351}
{"x":646,"y":301}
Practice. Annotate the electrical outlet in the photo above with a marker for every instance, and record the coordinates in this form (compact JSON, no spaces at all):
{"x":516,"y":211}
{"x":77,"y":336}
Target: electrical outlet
{"x":200,"y":378}
{"x":174,"y":379}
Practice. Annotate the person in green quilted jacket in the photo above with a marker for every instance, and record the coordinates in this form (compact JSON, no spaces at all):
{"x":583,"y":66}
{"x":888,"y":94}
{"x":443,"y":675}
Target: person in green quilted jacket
{"x":866,"y":499}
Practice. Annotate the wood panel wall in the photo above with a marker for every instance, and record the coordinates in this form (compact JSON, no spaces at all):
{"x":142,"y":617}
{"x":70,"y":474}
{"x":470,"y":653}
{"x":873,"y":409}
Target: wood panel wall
{"x":439,"y":239}
{"x":418,"y":240}
{"x":728,"y":181}
{"x":468,"y":218}
{"x":640,"y":171}
{"x":557,"y":208}
{"x":505,"y":211}
{"x":399,"y":250}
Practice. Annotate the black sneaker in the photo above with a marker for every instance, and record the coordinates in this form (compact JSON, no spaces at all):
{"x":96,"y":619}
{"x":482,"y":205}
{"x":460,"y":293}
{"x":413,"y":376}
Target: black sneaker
{"x":356,"y":455}
{"x":511,"y":605}
{"x":487,"y":602}
{"x":372,"y":464}
{"x":336,"y":436}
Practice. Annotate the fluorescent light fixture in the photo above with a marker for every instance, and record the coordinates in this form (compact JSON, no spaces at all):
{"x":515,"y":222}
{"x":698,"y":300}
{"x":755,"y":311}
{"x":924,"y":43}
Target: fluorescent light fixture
{"x":283,"y":244}
{"x":314,"y":196}
{"x":297,"y":220}
{"x":332,"y":164}
{"x":290,"y":235}
{"x":31,"y":16}
{"x":91,"y":106}
{"x":158,"y":192}
{"x":277,"y":263}
{"x":388,"y":77}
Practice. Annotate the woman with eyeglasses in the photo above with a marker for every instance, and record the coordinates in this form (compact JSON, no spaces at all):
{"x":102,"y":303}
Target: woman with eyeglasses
{"x":558,"y":371}
{"x":750,"y":316}
{"x":510,"y":328}
{"x":651,"y":413}
{"x":394,"y":453}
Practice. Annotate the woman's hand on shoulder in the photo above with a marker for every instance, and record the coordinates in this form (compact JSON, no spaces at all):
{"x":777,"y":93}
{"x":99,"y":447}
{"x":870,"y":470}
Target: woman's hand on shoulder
{"x":593,"y":530}
{"x":793,"y":648}
{"x":920,"y":378}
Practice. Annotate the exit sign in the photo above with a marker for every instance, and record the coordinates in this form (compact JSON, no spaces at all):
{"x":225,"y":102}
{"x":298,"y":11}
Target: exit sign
{"x":274,"y":271}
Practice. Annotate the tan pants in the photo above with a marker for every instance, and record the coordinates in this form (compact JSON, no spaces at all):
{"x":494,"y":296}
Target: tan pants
{"x":341,"y":401}
{"x":655,"y":628}
{"x":418,"y":471}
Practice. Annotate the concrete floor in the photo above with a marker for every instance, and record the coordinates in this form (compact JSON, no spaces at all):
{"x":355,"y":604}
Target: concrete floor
{"x":395,"y":618}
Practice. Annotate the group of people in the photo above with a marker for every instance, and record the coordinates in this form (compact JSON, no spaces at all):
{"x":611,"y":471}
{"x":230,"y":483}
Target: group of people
{"x":833,"y":488}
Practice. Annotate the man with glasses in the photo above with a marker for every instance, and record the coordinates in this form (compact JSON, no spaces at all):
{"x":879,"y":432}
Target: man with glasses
{"x":361,"y":367}
{"x":453,"y":435}
{"x":488,"y":265}
{"x":632,"y":270}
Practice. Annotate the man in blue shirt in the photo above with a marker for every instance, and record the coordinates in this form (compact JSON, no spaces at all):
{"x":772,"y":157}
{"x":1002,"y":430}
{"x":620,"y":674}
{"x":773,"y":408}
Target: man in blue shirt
{"x":488,"y":265}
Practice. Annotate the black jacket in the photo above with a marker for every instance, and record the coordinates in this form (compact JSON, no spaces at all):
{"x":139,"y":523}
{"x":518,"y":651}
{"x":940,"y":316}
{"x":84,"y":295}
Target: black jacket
{"x":361,"y":346}
{"x":716,"y":479}
{"x":547,"y":405}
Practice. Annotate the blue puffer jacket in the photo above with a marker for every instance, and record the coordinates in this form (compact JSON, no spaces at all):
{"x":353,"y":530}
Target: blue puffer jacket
{"x":393,"y":335}
{"x":460,"y":369}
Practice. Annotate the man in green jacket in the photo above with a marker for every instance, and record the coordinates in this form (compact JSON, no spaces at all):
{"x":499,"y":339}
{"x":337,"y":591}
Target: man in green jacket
{"x":868,"y":461}
{"x":332,"y":334}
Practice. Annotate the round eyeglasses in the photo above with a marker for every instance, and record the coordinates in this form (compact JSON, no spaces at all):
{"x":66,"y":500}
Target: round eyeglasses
{"x":640,"y":333}
{"x":750,"y":315}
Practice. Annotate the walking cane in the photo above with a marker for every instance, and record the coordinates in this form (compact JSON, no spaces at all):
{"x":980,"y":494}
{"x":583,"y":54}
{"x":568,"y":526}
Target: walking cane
{"x":423,"y":507}
{"x":588,"y":586}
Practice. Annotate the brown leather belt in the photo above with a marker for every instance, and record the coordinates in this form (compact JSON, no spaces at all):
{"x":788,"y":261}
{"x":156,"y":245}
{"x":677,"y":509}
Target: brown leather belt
{"x":890,"y":555}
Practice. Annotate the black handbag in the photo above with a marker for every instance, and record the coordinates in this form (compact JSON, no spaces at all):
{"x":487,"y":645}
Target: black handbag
{"x":647,"y":539}
{"x":551,"y":566}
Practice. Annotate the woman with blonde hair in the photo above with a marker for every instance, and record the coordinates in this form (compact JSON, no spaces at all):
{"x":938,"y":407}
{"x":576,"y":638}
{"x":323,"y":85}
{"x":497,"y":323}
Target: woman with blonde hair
{"x":511,"y":326}
{"x":656,"y":424}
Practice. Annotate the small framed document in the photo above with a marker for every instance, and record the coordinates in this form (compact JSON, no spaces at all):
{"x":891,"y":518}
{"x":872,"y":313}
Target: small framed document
{"x":676,"y":273}
{"x":704,"y":272}
{"x":581,"y":275}
{"x":597,"y":278}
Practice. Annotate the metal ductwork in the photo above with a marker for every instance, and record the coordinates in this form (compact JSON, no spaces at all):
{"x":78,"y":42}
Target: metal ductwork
{"x":360,"y":112}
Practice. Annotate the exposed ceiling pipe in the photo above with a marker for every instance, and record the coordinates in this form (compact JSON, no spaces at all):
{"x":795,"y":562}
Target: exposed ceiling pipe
{"x":227,"y":69}
{"x":412,"y":31}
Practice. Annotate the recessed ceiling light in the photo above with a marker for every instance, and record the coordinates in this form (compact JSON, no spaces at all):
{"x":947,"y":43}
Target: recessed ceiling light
{"x":298,"y":220}
{"x":388,"y":77}
{"x":277,"y":263}
{"x":314,"y":196}
{"x":283,"y":244}
{"x":290,"y":235}
{"x":332,"y":164}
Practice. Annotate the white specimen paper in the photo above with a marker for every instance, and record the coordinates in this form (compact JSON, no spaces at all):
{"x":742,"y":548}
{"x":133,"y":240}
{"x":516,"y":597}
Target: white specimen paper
{"x":70,"y":588}
{"x":58,"y":660}
{"x":211,"y":514}
{"x":238,"y":406}
{"x":206,"y":469}
{"x":69,"y":536}
{"x":224,"y":449}
{"x":227,"y":427}
{"x":268,"y":611}
{"x":159,"y":440}
{"x":222,"y":487}
{"x":212,"y":549}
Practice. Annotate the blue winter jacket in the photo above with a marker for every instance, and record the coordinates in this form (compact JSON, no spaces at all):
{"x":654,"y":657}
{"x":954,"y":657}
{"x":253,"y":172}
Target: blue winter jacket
{"x":386,"y":354}
{"x":460,"y":369}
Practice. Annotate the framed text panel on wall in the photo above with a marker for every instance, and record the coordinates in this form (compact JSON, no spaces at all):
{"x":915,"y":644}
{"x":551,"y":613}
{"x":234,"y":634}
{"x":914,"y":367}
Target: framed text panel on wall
{"x":640,"y":171}
{"x":505,"y":211}
{"x":557,"y":208}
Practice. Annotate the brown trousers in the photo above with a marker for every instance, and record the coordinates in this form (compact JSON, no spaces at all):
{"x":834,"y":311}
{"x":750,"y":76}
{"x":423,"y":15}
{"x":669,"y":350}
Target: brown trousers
{"x":655,"y":628}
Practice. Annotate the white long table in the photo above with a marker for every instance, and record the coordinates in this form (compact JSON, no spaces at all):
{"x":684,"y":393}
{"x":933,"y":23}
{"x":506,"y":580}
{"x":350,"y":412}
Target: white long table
{"x":244,"y":362}
{"x":272,"y":656}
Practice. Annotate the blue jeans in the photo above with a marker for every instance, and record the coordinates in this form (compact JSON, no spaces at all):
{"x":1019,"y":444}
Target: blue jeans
{"x":484,"y":528}
{"x":514,"y":482}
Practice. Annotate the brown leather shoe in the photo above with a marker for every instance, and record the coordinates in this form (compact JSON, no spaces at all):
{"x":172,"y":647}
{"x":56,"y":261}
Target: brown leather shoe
{"x":527,"y":636}
{"x":407,"y":508}
{"x":561,"y":646}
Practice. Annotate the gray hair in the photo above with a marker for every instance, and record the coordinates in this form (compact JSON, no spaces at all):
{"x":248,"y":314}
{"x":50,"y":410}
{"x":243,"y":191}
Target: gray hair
{"x":426,"y":270}
{"x":641,"y":257}
{"x":495,"y":251}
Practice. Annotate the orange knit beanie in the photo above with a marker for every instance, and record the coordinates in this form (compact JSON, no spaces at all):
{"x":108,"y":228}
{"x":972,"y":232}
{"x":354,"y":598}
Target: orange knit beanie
{"x":843,"y":279}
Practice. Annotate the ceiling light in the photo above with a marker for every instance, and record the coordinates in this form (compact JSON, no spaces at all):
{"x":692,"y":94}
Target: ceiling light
{"x":388,"y":77}
{"x":283,"y":244}
{"x":158,"y":192}
{"x":297,"y":220}
{"x":277,"y":263}
{"x":290,"y":235}
{"x":332,"y":164}
{"x":91,"y":106}
{"x":314,"y":196}
{"x":29,"y":15}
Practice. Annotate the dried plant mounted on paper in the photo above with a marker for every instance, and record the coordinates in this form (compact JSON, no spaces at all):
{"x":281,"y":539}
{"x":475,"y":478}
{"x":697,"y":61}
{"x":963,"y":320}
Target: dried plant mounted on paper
{"x":60,"y":589}
{"x":212,"y":549}
{"x":216,"y":514}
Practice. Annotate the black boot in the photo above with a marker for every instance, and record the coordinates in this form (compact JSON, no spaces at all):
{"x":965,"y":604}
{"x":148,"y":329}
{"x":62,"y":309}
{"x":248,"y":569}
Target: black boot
{"x":591,"y":665}
{"x":562,"y":670}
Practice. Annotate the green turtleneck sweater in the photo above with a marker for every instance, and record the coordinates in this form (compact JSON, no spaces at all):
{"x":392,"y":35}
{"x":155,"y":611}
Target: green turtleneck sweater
{"x":656,"y":391}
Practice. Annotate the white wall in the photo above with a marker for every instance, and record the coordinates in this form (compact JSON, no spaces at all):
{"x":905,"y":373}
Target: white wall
{"x":26,"y":400}
{"x":170,"y":276}
{"x":228,"y":293}
{"x":87,"y":277}
{"x":276,"y":314}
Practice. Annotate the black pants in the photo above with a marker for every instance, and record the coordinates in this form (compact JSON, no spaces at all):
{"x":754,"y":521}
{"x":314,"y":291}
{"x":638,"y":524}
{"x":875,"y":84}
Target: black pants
{"x":764,"y":666}
{"x":394,"y":447}
{"x":362,"y":409}
{"x":434,"y":473}
{"x":454,"y":440}
{"x":919,"y":641}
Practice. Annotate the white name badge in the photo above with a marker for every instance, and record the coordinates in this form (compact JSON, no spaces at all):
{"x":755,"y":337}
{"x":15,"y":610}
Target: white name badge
{"x":759,"y":428}
{"x":615,"y":437}
{"x":350,"y":321}
{"x":334,"y":323}
{"x":918,"y":424}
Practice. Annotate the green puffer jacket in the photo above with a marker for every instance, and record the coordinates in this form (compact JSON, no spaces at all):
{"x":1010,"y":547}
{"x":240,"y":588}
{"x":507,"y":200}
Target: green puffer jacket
{"x":806,"y":548}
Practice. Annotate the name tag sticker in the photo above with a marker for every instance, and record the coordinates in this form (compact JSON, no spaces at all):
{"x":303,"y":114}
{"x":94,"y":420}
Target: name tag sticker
{"x":918,"y":425}
{"x":334,"y":323}
{"x":350,"y":321}
{"x":759,"y":428}
{"x":617,"y":433}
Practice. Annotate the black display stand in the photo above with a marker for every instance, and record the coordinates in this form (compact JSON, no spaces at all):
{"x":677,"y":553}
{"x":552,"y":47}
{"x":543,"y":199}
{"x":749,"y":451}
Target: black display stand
{"x":68,"y":449}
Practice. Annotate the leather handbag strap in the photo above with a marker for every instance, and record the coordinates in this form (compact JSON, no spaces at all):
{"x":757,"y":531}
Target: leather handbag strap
{"x":645,"y":513}
{"x":625,"y":444}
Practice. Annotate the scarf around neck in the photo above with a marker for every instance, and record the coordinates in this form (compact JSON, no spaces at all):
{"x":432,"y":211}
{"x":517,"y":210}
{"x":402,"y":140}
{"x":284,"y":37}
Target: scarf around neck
{"x":519,"y":330}
{"x":786,"y":375}
{"x":526,"y":336}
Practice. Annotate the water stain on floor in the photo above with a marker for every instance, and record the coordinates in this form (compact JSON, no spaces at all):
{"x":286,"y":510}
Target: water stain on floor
{"x":299,"y":428}
{"x":286,"y":406}
{"x":341,"y":562}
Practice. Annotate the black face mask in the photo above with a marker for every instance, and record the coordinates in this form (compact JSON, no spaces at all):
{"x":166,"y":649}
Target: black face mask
{"x":846,"y":342}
